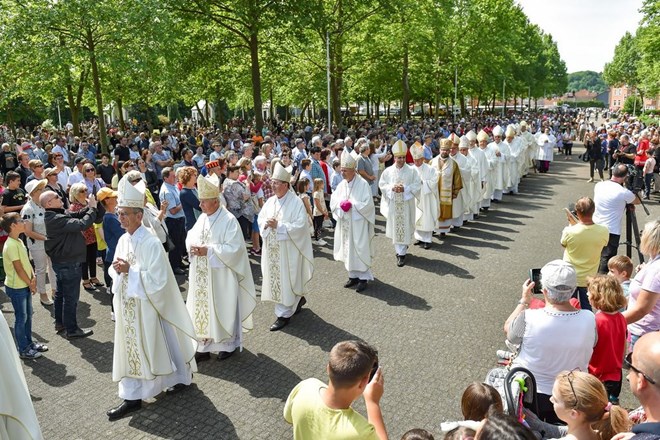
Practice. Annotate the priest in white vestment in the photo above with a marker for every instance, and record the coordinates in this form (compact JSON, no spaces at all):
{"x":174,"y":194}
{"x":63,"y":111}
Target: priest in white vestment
{"x":400,"y":185}
{"x":287,"y":262}
{"x":221,"y":294}
{"x":428,"y":202}
{"x":531,"y":148}
{"x":473,"y":183}
{"x":515,"y":150}
{"x":483,"y":166}
{"x":546,"y":150}
{"x":352,"y":206}
{"x":450,"y":184}
{"x":18,"y":420}
{"x":500,"y":173}
{"x":463,"y":200}
{"x":491,"y":159}
{"x":154,"y":336}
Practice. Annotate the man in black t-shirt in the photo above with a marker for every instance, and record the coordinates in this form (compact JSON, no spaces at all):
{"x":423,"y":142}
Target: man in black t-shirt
{"x":105,"y":170}
{"x":122,"y":152}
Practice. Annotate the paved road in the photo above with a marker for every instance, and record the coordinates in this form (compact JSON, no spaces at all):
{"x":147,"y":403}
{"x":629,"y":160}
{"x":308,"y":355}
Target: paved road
{"x":436,"y":322}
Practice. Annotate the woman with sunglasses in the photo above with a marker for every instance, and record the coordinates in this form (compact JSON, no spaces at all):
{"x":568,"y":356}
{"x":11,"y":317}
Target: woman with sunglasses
{"x":53,"y":185}
{"x":643,"y":314}
{"x":580,"y":401}
{"x":78,"y":197}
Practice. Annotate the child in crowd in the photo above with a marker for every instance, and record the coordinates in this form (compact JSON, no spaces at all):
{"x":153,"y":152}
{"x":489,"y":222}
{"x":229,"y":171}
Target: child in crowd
{"x":621,"y":268}
{"x":460,"y":433}
{"x":606,"y":298}
{"x":301,"y":189}
{"x":478,"y":398}
{"x":649,"y":166}
{"x":20,"y":285}
{"x":320,"y":411}
{"x":320,"y":211}
{"x":418,"y":434}
{"x":583,"y":405}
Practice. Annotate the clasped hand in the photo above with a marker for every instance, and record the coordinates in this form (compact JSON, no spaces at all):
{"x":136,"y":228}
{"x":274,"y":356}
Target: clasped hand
{"x":120,"y":265}
{"x":271,"y":223}
{"x":398,"y":188}
{"x":199,"y":251}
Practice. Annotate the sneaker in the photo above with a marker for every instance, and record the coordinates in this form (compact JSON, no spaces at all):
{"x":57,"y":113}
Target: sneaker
{"x":112,"y":316}
{"x":30,"y":353}
{"x":315,"y":242}
{"x":321,"y":242}
{"x":41,"y":348}
{"x":590,"y":180}
{"x":256,"y":252}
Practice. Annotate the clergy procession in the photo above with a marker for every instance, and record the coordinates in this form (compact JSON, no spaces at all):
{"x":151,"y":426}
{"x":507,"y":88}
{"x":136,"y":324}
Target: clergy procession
{"x":425,"y":193}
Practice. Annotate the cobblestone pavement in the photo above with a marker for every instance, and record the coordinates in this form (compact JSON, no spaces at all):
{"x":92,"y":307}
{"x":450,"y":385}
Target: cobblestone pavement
{"x":437,"y":323}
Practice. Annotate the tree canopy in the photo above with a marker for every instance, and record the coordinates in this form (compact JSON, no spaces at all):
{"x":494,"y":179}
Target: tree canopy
{"x":239,"y":54}
{"x":587,"y":80}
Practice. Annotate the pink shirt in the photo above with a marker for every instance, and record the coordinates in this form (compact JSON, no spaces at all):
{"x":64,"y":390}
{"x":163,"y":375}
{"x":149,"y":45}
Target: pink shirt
{"x":648,"y":279}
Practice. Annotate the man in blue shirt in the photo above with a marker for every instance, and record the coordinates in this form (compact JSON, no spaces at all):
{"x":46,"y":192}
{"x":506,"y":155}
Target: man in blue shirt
{"x":317,"y":170}
{"x":175,"y":219}
{"x":161,"y":158}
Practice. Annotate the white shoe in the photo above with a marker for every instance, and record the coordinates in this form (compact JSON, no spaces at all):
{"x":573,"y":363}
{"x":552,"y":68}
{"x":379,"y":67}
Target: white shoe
{"x":590,"y":180}
{"x":112,"y":316}
{"x":315,"y":242}
{"x":321,"y":242}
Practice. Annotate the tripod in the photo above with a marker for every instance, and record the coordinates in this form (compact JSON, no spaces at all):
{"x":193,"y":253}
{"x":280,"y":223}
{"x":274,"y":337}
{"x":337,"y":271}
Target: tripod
{"x":632,"y":229}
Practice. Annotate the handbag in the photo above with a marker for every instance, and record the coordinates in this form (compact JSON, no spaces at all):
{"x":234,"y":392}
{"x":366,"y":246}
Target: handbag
{"x":168,"y":244}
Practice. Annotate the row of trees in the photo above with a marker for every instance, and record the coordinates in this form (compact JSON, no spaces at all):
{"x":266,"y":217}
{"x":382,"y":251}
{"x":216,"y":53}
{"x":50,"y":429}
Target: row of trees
{"x":636,"y":61}
{"x":240,"y":53}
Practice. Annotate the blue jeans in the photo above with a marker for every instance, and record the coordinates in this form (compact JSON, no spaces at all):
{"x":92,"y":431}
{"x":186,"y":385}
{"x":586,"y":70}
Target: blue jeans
{"x":581,"y":294}
{"x":66,"y":297}
{"x":21,"y":300}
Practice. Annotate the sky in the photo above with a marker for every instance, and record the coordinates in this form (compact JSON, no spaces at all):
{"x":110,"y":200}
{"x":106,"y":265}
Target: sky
{"x":586,"y":31}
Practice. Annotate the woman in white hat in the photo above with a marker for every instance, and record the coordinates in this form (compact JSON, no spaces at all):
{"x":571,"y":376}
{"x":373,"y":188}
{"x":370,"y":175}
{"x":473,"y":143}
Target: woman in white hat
{"x":35,"y":229}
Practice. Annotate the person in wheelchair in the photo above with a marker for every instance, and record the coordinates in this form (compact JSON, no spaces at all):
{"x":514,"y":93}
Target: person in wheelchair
{"x":552,"y":339}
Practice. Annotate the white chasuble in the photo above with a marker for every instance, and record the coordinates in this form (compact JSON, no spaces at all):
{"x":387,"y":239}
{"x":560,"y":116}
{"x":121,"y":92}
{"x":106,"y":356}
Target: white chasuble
{"x":221,"y":295}
{"x":153,"y":331}
{"x":427,"y":204}
{"x":287,"y":262}
{"x":399,"y":208}
{"x":18,"y":420}
{"x":354,"y":231}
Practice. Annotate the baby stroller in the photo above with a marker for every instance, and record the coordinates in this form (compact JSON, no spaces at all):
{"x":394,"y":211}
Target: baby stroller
{"x":517,"y":387}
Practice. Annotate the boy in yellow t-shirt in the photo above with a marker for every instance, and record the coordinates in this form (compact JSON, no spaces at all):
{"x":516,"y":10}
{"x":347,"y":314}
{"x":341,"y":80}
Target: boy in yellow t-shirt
{"x":320,"y":411}
{"x":20,"y":285}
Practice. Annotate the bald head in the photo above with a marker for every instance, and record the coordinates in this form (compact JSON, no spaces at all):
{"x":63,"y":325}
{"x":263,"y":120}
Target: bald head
{"x":647,"y":355}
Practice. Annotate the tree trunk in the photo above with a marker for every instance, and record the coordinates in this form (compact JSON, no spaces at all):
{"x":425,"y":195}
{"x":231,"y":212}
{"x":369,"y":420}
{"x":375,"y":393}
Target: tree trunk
{"x":463,"y":110}
{"x":388,"y":109}
{"x":96,"y":80}
{"x":75,"y":101}
{"x":10,"y":120}
{"x":120,"y":108}
{"x":515,"y":102}
{"x":256,"y":81}
{"x":302,"y":112}
{"x":201,"y":114}
{"x":405,"y":86}
{"x":368,"y":115}
{"x":272,"y":109}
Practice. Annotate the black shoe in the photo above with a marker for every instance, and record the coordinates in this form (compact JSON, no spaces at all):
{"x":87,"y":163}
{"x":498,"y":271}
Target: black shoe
{"x":301,"y":303}
{"x":362,"y":286}
{"x":484,"y":209}
{"x":126,"y":407}
{"x":427,"y":246}
{"x":351,"y":282}
{"x":225,"y":355}
{"x":176,"y":388}
{"x":59,"y":328}
{"x":443,"y":234}
{"x":279,"y":324}
{"x":178,"y":271}
{"x":80,"y":333}
{"x":400,"y":260}
{"x":495,"y":201}
{"x":201,"y":357}
{"x":419,"y":243}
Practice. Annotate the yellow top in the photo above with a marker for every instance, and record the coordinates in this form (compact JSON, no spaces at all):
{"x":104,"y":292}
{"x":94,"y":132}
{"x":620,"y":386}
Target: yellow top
{"x":14,"y":250}
{"x":583,"y":245}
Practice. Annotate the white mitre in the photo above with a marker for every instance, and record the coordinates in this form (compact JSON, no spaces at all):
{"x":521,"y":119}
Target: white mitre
{"x":207,"y":187}
{"x":348,"y":161}
{"x":129,"y":195}
{"x":281,"y":174}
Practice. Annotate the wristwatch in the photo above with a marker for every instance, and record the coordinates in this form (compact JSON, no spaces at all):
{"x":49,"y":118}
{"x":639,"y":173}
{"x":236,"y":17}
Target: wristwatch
{"x":522,"y":302}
